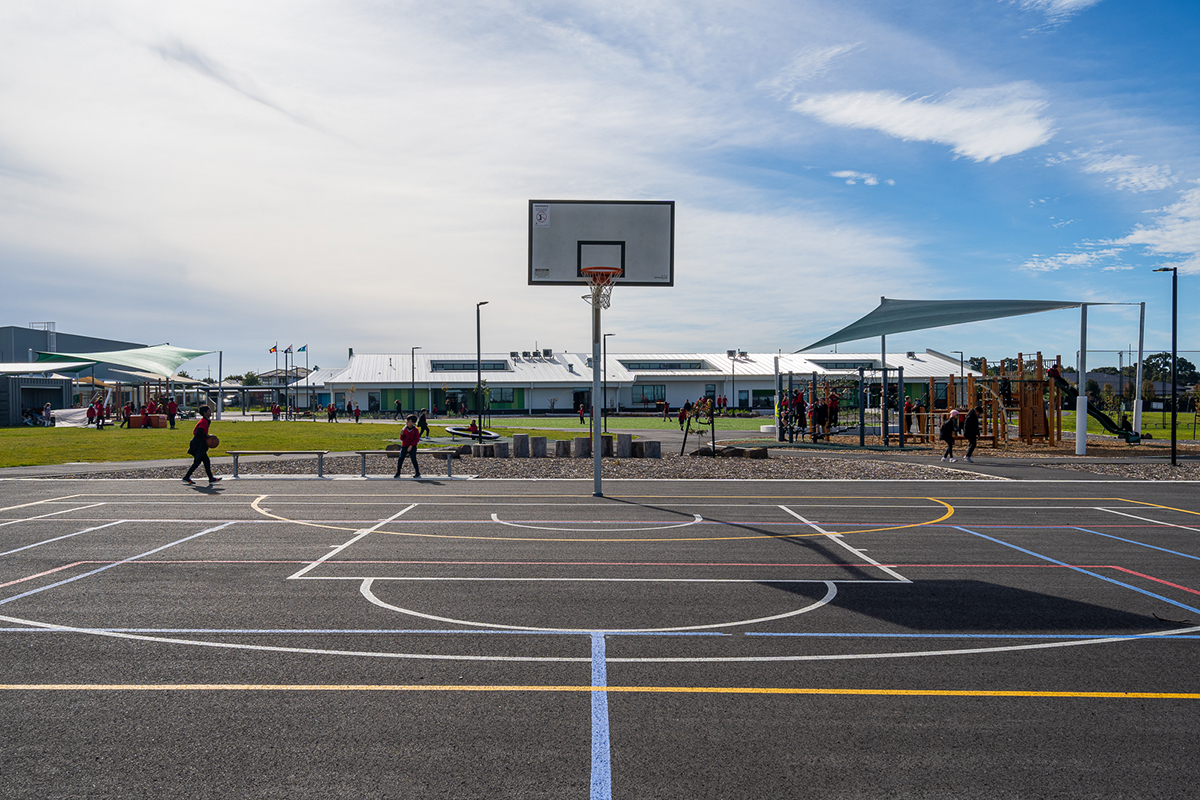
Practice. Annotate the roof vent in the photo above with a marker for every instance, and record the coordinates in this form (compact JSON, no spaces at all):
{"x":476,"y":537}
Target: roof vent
{"x":547,"y":353}
{"x":513,"y":354}
{"x":911,"y":354}
{"x":525,"y":354}
{"x":570,"y":367}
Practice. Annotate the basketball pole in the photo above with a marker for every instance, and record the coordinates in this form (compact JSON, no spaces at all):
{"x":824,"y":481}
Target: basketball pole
{"x":597,"y":485}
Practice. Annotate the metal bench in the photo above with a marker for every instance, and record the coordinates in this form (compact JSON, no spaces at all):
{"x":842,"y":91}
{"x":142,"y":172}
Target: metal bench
{"x":448,"y":455}
{"x":320,"y":454}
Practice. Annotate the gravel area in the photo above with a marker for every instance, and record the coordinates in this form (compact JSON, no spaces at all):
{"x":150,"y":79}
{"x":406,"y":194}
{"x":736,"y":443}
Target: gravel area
{"x":1186,"y":471}
{"x":669,"y":466}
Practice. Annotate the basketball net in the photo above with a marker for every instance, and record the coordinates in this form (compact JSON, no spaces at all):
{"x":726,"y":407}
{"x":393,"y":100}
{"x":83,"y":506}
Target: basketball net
{"x":601,"y":280}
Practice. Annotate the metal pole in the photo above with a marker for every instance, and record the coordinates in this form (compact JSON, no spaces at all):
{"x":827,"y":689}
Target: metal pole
{"x":597,"y":486}
{"x":412,"y":377}
{"x":1137,"y":390}
{"x":1081,"y":401}
{"x":1174,"y":359}
{"x":220,"y":380}
{"x":900,"y":403}
{"x":778,"y":402}
{"x":792,"y":408}
{"x":479,"y":370}
{"x":862,"y":408}
{"x":604,"y":405}
{"x":883,"y":389}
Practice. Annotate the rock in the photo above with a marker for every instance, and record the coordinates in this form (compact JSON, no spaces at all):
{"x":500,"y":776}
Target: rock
{"x":755,"y":452}
{"x":624,"y":445}
{"x":562,"y":448}
{"x":583,"y":447}
{"x":652,"y":449}
{"x":537,"y":446}
{"x":520,"y":445}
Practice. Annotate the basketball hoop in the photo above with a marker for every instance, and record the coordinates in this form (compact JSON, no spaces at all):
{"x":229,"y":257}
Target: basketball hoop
{"x":601,"y":279}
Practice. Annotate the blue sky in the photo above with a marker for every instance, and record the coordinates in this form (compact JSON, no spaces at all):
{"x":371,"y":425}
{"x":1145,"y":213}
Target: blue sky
{"x":356,"y":174}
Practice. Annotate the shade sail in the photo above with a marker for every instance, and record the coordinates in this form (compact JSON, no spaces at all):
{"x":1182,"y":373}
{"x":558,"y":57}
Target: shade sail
{"x":898,"y":316}
{"x":161,"y":359}
{"x":32,"y":368}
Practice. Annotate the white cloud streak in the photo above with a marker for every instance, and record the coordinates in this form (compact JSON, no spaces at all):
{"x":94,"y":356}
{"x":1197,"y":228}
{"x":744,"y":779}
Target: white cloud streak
{"x":1175,"y":234}
{"x":804,"y":67}
{"x":1124,"y":172}
{"x":980,"y":124}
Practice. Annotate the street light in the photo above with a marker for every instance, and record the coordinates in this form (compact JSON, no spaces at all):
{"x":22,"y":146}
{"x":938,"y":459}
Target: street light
{"x":412,"y":385}
{"x":479,"y":370}
{"x":961,"y":374}
{"x":605,"y":374}
{"x":732,"y":355}
{"x":1174,"y":369}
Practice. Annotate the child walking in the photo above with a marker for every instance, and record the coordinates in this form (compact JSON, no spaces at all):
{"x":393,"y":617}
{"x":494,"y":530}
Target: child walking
{"x":198,"y":448}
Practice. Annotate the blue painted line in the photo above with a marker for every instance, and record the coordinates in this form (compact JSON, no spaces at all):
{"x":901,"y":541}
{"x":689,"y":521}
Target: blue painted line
{"x":115,"y":564}
{"x":1087,"y":572}
{"x":601,"y":746}
{"x":1140,"y":544}
{"x":1153,"y":637}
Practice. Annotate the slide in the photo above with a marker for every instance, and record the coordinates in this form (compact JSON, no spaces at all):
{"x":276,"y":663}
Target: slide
{"x":1133,"y":437}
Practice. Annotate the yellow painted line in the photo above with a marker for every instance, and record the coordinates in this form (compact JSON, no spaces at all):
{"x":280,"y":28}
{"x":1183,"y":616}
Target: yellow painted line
{"x":948,"y":513}
{"x":1156,"y":505}
{"x":276,"y":687}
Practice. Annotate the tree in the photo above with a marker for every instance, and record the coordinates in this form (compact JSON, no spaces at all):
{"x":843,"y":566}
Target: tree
{"x":251,"y":379}
{"x":182,"y":374}
{"x":1109,"y":397}
{"x":1093,"y":389}
{"x":1105,"y":370}
{"x":975,"y":363}
{"x":1147,"y":390}
{"x":1158,"y":368}
{"x":234,"y":378}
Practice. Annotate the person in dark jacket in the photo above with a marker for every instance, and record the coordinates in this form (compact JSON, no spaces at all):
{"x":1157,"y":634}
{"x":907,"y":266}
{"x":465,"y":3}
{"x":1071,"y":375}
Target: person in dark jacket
{"x":409,"y":438}
{"x":946,"y":434}
{"x":198,"y":448}
{"x":971,"y":430}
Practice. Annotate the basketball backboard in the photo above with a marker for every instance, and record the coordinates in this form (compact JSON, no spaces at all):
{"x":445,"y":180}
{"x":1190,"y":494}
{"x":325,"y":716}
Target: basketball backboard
{"x":565,"y":236}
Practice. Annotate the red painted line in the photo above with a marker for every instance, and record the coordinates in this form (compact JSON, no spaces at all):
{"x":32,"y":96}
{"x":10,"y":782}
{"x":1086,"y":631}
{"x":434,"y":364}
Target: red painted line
{"x":1156,"y":580}
{"x":47,"y":572}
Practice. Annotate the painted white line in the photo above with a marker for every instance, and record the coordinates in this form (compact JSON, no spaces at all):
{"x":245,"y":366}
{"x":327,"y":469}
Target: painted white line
{"x":1148,"y":519}
{"x":98,"y":570}
{"x":911,"y":654}
{"x":39,"y":502}
{"x":60,"y":538}
{"x":829,"y":595}
{"x":272,"y":649}
{"x":837,"y":539}
{"x":358,"y":535}
{"x":51,"y":514}
{"x":695,"y":519}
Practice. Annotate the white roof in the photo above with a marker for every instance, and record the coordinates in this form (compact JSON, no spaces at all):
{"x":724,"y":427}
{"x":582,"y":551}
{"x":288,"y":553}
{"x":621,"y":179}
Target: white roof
{"x":571,"y":369}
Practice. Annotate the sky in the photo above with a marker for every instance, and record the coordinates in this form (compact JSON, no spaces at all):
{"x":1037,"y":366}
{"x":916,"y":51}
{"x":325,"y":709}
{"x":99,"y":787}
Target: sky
{"x":339,"y":174}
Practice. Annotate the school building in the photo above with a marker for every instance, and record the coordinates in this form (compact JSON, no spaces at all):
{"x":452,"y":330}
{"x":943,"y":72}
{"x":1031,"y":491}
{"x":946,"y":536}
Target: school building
{"x":548,"y":382}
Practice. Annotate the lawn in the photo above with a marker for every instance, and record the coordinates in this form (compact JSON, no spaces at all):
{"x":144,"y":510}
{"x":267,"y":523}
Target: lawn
{"x":25,"y":446}
{"x":1154,"y":423}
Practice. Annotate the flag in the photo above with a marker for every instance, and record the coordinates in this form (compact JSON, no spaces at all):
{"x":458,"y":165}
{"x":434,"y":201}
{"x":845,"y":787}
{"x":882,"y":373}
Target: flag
{"x":273,"y":350}
{"x":303,"y":349}
{"x":289,"y":349}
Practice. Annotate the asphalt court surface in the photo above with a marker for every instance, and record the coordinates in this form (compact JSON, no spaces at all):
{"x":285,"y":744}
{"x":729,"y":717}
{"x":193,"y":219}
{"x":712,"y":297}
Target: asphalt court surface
{"x":674,"y":639}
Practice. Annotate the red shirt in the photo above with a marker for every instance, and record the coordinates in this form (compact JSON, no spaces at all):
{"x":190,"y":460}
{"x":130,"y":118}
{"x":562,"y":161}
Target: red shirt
{"x":409,"y":437}
{"x":172,"y":407}
{"x":150,"y":407}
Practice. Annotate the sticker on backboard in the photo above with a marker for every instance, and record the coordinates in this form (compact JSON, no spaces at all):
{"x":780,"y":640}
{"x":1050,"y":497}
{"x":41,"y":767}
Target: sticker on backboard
{"x":636,"y":235}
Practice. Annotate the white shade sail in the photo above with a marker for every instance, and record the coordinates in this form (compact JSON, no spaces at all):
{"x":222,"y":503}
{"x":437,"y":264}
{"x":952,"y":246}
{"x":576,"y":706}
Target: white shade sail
{"x":161,"y":359}
{"x":898,"y":316}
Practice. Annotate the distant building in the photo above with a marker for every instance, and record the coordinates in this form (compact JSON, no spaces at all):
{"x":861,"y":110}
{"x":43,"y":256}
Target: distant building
{"x":540,"y":382}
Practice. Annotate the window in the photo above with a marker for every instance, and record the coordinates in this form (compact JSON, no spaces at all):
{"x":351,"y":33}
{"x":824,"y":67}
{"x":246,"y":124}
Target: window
{"x":372,"y":401}
{"x":710,"y":390}
{"x":503,"y":395}
{"x":844,"y":364}
{"x":658,"y":365}
{"x":467,"y":366}
{"x":648,"y":394}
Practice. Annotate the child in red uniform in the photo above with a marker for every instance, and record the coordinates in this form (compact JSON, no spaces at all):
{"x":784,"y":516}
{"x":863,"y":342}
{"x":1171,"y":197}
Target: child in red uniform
{"x":409,"y":437}
{"x":198,"y":448}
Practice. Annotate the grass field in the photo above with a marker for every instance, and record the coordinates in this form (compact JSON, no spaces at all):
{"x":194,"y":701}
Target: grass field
{"x":24,"y":446}
{"x":1153,"y":422}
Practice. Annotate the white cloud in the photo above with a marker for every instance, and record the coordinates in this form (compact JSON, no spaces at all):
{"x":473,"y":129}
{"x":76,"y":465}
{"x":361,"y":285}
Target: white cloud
{"x":1077,"y":260}
{"x":1125,"y":172}
{"x":1056,"y":10}
{"x":1176,"y":233}
{"x":981,"y":124}
{"x":805,"y":66}
{"x":852,"y":177}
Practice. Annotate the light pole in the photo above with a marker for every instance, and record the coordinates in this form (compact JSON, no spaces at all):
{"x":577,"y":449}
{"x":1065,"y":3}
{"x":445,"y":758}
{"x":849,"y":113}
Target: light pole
{"x":961,"y":374}
{"x":605,"y":373}
{"x":1174,"y":329}
{"x":732,"y":354}
{"x":412,"y":384}
{"x":479,"y":370}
